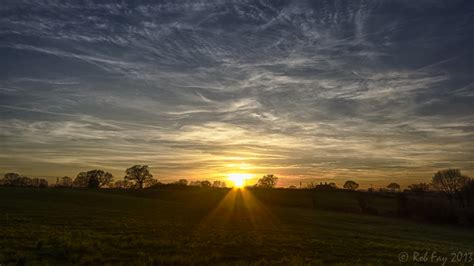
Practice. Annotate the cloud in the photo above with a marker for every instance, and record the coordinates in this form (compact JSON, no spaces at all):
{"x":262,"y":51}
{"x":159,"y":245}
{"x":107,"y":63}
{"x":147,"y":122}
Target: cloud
{"x":302,"y":89}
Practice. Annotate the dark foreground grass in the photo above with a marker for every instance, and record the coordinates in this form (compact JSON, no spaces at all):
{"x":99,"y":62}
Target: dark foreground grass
{"x":201,"y":227}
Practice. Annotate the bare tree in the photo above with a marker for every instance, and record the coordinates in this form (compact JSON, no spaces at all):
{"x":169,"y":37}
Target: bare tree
{"x":139,"y":174}
{"x":267,"y":181}
{"x":419,"y":189}
{"x":451,"y":182}
{"x":105,"y":178}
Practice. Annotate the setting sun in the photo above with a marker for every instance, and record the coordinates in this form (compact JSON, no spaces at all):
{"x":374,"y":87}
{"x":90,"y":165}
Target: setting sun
{"x":239,"y":180}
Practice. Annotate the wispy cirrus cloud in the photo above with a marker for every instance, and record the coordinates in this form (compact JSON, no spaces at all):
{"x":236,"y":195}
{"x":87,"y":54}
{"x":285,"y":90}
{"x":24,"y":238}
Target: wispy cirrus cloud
{"x":305,"y":90}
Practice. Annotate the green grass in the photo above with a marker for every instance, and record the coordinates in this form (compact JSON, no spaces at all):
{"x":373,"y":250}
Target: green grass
{"x":67,"y":226}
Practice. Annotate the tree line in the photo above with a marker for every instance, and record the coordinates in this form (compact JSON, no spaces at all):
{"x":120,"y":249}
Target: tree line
{"x":458,"y":188}
{"x":448,"y":198}
{"x":451,"y":182}
{"x":137,"y":176}
{"x":16,"y":180}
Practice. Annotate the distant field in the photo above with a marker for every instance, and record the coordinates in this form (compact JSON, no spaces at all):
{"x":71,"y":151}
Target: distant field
{"x":208,"y":226}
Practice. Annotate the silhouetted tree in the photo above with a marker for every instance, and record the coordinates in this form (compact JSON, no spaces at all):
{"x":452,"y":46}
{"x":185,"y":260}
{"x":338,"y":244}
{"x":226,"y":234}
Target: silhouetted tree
{"x":39,"y":182}
{"x":105,"y":178}
{"x":451,"y":182}
{"x":139,"y":174}
{"x":34,"y":182}
{"x":195,"y":183}
{"x":81,"y":180}
{"x":152,"y":182}
{"x":65,"y":181}
{"x":351,"y":185}
{"x":393,"y":187}
{"x":25,"y":182}
{"x":93,"y":179}
{"x":326,"y":186}
{"x":123,"y":184}
{"x":11,"y":179}
{"x":267,"y":181}
{"x":182,"y":182}
{"x":219,"y":183}
{"x":419,"y":189}
{"x":16,"y":180}
{"x":205,"y":183}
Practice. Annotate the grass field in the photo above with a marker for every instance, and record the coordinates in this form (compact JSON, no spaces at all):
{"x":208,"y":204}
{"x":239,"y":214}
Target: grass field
{"x":206,"y":226}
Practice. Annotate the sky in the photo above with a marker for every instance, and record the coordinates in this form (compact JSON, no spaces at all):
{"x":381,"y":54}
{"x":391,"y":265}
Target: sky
{"x":374,"y":91}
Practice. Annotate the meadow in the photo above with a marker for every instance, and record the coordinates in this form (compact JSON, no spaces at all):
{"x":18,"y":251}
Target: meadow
{"x":203,"y":226}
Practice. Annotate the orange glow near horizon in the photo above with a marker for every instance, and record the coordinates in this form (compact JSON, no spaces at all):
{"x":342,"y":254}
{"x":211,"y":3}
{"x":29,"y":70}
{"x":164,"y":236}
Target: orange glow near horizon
{"x":239,"y":180}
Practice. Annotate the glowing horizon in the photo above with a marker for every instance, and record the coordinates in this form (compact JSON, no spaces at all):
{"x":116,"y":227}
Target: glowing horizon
{"x":239,"y":180}
{"x":372,"y":91}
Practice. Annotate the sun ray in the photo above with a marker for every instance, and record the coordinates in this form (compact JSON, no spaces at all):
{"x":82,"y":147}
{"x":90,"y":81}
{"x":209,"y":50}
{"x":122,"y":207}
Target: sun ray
{"x":239,"y":210}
